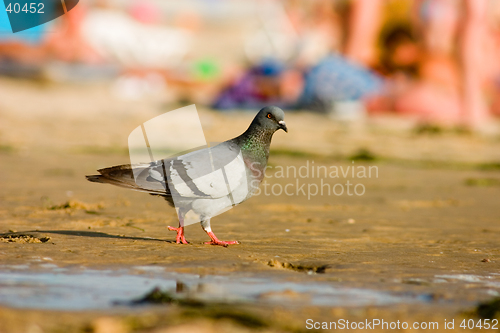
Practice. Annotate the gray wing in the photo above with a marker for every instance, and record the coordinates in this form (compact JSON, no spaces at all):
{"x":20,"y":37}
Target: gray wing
{"x":207,"y":173}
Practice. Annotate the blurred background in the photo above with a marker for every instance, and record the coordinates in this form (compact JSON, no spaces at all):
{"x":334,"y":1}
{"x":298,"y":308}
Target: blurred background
{"x":435,"y":61}
{"x":420,"y":66}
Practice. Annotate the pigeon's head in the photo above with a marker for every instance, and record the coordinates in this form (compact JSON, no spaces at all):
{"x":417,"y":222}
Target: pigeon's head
{"x":272,"y":118}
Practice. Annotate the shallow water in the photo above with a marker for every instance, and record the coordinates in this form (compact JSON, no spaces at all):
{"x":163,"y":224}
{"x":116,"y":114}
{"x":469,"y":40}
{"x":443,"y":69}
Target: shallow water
{"x":489,"y":281}
{"x":63,"y":289}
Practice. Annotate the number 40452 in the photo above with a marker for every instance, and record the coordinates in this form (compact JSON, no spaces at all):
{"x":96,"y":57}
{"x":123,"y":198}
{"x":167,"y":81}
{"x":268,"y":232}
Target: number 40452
{"x":33,"y":8}
{"x":484,"y":323}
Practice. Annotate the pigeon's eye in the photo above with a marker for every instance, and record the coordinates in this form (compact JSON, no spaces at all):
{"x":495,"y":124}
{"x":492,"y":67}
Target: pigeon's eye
{"x":269,"y":115}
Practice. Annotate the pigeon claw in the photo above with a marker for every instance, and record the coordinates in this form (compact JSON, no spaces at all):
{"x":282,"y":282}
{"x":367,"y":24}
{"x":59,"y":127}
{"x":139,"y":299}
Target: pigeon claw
{"x":216,"y":241}
{"x":180,"y":235}
{"x":222,"y":243}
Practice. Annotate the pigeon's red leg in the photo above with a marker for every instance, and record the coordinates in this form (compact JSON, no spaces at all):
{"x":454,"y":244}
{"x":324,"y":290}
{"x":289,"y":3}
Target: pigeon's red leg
{"x":180,"y":231}
{"x":214,"y":240}
{"x":180,"y":235}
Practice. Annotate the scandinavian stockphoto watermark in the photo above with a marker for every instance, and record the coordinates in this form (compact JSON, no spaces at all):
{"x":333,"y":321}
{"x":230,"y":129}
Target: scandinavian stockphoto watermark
{"x":170,"y":156}
{"x":311,"y":180}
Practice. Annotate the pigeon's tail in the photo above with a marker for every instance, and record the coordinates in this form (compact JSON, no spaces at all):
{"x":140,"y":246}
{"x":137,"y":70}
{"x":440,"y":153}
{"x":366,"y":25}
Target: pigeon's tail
{"x":120,"y":175}
{"x":105,"y":180}
{"x":123,"y":176}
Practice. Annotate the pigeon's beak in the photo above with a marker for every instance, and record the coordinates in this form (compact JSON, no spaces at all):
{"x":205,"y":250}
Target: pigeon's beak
{"x":283,"y":125}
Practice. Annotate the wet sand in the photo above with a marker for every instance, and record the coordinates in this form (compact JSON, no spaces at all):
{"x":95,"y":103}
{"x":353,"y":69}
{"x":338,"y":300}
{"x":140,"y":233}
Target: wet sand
{"x":427,"y":228}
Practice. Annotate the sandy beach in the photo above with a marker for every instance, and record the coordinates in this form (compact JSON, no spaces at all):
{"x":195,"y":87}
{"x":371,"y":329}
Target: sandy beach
{"x":419,"y":245}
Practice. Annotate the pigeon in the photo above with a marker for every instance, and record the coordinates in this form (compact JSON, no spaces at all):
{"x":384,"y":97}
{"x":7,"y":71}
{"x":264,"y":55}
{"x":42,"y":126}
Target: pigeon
{"x":188,"y":182}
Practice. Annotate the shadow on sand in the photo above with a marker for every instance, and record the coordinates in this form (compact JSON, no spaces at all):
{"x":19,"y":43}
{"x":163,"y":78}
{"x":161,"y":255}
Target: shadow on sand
{"x":92,"y":234}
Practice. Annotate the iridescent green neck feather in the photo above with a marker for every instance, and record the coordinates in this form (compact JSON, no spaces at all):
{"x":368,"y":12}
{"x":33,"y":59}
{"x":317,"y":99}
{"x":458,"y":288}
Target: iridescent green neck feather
{"x":254,"y":144}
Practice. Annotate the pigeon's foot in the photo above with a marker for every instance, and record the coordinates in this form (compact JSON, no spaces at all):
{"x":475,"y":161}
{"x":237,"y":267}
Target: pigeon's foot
{"x":216,"y":241}
{"x":180,"y":235}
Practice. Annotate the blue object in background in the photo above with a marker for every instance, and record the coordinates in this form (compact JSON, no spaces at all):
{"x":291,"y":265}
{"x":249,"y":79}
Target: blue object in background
{"x":336,"y":79}
{"x":245,"y":93}
{"x":333,"y":79}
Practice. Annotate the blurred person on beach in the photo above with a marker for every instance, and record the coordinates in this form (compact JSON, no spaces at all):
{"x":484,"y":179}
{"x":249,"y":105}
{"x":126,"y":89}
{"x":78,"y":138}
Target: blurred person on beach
{"x":447,"y":50}
{"x":297,"y":61}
